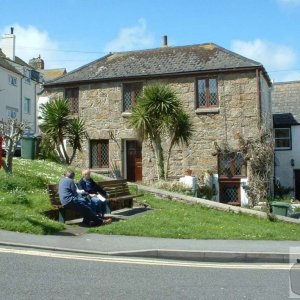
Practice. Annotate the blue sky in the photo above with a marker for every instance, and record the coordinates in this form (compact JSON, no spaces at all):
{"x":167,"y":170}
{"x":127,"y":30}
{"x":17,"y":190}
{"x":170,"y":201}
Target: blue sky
{"x":71,"y":33}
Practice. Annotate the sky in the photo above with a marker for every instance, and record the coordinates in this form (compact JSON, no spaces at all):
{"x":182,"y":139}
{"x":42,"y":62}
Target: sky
{"x":71,"y":33}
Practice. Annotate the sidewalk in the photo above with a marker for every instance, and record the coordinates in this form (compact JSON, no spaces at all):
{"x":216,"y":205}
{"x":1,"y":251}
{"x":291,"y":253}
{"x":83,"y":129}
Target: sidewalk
{"x":197,"y":250}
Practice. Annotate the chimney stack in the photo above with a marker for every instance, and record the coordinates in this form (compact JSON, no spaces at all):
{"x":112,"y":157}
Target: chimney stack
{"x":165,"y":41}
{"x":9,"y":44}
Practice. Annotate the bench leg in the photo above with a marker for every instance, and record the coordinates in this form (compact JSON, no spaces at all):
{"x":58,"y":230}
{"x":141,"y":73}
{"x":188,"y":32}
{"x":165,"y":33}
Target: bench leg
{"x":61,"y":215}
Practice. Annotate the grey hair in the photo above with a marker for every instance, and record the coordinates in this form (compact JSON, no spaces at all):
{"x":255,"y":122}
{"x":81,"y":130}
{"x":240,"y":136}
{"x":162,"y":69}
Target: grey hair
{"x":70,"y":174}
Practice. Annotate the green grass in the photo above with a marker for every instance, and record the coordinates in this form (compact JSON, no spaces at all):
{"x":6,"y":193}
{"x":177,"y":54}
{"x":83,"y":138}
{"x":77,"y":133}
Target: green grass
{"x":23,"y":199}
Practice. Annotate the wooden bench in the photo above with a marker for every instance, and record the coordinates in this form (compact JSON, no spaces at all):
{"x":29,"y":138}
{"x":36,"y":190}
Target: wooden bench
{"x":58,"y":211}
{"x":118,"y":193}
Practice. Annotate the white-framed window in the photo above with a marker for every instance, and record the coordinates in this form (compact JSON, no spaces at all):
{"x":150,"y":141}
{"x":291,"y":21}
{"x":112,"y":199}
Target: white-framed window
{"x":282,"y":138}
{"x":11,"y":112}
{"x":12,"y":80}
{"x":26,"y":105}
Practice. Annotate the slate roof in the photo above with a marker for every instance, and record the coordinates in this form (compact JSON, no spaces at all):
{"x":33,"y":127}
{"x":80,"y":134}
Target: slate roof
{"x":165,"y":61}
{"x":286,"y":119}
{"x":50,"y":74}
{"x":6,"y":65}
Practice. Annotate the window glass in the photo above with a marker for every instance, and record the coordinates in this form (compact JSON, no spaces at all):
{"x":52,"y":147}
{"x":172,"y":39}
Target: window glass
{"x":207,"y":92}
{"x":282,"y":138}
{"x":131,"y":91}
{"x":72,"y":95}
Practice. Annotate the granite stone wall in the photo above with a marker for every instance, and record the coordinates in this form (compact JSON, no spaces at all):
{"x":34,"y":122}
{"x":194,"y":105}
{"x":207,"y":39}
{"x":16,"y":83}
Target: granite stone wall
{"x":100,"y":105}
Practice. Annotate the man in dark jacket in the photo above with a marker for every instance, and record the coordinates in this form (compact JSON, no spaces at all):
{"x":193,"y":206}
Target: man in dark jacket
{"x":97,"y":193}
{"x":69,"y":198}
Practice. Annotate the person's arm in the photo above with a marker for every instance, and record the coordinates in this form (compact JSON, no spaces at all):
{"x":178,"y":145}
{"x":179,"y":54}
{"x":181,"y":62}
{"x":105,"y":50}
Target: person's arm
{"x":99,"y":189}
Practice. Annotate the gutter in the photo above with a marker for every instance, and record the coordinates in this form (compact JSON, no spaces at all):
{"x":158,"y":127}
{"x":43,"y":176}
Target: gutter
{"x":152,"y":76}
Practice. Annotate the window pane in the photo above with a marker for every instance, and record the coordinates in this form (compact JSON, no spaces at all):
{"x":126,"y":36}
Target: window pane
{"x":72,"y":95}
{"x":127,"y":97}
{"x":282,"y":143}
{"x":99,"y":154}
{"x":131,"y":91}
{"x":239,"y":165}
{"x":213,"y":92}
{"x":282,"y":138}
{"x":282,"y":132}
{"x":225,"y":164}
{"x":201,"y":93}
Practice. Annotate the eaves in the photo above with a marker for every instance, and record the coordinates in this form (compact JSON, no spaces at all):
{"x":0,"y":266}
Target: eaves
{"x":164,"y":75}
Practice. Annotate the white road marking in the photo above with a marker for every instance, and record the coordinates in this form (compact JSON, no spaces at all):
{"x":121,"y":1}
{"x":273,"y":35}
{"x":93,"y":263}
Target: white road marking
{"x":154,"y":262}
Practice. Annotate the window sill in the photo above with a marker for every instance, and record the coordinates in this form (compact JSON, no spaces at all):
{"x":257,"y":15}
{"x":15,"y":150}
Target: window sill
{"x":126,"y":114}
{"x":203,"y":111}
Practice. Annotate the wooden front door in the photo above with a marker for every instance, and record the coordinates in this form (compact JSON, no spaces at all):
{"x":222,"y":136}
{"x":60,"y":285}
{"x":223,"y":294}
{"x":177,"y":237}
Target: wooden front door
{"x":297,"y":184}
{"x":134,"y":161}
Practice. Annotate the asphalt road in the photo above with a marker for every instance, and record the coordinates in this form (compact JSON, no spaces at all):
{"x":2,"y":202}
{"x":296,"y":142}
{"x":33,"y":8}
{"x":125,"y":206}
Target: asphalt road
{"x":33,"y":274}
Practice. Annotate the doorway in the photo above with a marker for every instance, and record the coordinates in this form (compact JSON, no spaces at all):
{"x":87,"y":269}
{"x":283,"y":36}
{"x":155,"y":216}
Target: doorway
{"x":134,"y":161}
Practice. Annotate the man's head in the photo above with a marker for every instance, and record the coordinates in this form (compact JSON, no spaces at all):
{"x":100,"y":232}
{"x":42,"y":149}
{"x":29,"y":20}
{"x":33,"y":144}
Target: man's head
{"x":86,"y":173}
{"x":70,"y":174}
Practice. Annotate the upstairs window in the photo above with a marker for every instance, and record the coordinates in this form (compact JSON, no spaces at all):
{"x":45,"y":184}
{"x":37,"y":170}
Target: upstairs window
{"x":207,"y":93}
{"x":282,"y":138}
{"x":12,"y":80}
{"x":131,"y":91}
{"x":72,"y":95}
{"x":26,"y":105}
{"x":27,"y":75}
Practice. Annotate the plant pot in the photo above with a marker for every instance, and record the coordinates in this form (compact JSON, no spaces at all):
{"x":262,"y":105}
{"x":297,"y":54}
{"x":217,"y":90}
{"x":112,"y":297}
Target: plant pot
{"x":188,"y":172}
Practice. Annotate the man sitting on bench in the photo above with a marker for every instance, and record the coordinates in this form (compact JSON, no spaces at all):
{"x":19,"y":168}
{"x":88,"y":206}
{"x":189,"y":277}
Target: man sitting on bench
{"x":95,"y":191}
{"x":69,"y":198}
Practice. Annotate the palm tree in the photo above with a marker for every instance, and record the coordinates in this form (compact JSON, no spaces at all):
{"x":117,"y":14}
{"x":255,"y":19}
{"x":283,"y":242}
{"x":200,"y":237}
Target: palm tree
{"x":159,"y":114}
{"x":57,"y":126}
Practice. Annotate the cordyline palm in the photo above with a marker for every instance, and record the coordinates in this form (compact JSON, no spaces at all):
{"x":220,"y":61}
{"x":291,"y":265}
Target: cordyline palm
{"x":57,"y":126}
{"x":154,"y":117}
{"x":181,"y":130}
{"x":76,"y":134}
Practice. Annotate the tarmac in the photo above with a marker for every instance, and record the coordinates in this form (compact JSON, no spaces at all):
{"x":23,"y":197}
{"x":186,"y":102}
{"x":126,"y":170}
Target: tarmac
{"x":75,"y":239}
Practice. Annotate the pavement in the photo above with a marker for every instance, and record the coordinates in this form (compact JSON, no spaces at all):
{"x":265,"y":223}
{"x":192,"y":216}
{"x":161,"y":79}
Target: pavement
{"x":75,"y":239}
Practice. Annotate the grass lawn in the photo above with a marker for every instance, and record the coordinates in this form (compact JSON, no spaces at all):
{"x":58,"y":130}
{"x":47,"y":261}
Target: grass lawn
{"x":23,"y":198}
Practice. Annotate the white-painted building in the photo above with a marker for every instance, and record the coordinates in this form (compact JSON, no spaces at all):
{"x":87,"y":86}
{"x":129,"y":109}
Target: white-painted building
{"x":286,"y":119}
{"x":19,"y":85}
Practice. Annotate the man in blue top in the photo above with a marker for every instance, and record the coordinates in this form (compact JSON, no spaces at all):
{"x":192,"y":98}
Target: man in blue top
{"x":96,"y":192}
{"x":69,"y":198}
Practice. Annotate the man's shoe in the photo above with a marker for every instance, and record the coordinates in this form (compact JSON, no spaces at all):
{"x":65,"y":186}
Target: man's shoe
{"x":107,"y":221}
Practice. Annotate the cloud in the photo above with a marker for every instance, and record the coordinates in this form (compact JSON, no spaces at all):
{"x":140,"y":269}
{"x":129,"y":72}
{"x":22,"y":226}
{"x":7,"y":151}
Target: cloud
{"x":289,"y":3}
{"x":132,"y":38}
{"x":274,"y":57}
{"x":32,"y":42}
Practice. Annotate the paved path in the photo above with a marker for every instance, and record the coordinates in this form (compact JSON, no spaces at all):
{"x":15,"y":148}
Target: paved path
{"x":200,"y":250}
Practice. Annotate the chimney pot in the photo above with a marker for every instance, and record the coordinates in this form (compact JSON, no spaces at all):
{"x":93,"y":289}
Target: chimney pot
{"x":11,"y":30}
{"x":165,"y":41}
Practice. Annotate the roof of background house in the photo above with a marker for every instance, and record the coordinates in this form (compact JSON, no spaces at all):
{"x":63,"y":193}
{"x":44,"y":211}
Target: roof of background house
{"x":285,"y":119}
{"x":165,"y":61}
{"x":50,"y":74}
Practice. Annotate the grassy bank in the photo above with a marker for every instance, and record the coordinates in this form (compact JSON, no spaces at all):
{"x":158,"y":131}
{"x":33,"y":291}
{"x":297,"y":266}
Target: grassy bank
{"x":23,"y":198}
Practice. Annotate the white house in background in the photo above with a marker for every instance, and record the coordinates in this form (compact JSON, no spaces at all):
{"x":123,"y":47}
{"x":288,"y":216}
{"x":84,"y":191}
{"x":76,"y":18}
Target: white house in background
{"x":286,"y":119}
{"x":19,"y":85}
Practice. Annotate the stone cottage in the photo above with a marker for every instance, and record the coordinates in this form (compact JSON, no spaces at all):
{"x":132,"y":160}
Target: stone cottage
{"x":225,"y":94}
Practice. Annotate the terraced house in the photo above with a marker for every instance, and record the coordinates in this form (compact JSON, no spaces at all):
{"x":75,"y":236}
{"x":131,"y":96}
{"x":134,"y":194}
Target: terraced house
{"x":224,"y":93}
